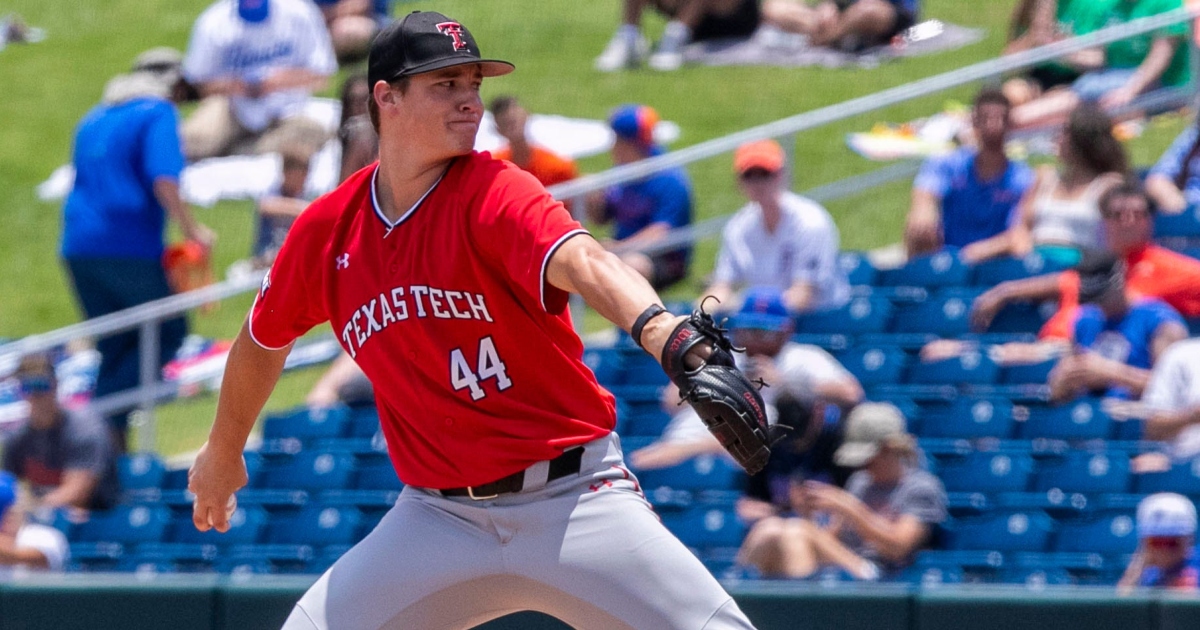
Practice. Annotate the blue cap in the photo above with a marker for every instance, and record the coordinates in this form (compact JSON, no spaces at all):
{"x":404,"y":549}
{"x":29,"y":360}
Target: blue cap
{"x":8,"y":492}
{"x":253,"y":10}
{"x":762,"y":309}
{"x":636,"y":123}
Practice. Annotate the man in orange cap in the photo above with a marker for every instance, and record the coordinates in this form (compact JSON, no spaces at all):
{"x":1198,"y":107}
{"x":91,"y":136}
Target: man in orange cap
{"x":779,"y":238}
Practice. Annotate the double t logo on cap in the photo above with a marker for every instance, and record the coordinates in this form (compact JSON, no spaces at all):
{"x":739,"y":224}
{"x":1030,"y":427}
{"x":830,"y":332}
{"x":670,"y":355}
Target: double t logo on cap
{"x":454,"y":31}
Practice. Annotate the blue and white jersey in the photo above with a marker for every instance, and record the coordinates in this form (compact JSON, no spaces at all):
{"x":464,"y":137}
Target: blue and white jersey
{"x":223,"y":45}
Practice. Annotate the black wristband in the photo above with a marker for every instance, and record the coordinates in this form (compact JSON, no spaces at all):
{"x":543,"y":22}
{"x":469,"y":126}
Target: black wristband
{"x":650,"y":313}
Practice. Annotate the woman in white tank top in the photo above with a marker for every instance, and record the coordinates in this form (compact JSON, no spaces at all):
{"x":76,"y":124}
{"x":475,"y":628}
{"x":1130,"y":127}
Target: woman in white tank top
{"x":1059,"y":215}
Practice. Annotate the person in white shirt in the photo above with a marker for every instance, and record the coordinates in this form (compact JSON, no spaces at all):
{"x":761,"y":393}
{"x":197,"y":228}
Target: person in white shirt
{"x":256,"y":63}
{"x":26,"y":546}
{"x":778,"y":239}
{"x":1172,"y":401}
{"x":800,"y":377}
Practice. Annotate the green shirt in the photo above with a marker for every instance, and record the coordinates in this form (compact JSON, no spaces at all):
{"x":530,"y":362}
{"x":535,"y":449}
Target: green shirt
{"x":1129,"y":53}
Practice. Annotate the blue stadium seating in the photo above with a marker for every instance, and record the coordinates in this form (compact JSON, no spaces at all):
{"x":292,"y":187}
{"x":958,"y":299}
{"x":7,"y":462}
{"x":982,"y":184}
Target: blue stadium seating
{"x":945,"y":316}
{"x":1185,"y":225}
{"x":1079,"y":420}
{"x":960,"y":566}
{"x":971,"y":367}
{"x":1028,"y":372}
{"x":698,"y":473}
{"x":607,"y":364}
{"x":649,"y":421}
{"x":316,"y":525}
{"x":992,"y":272}
{"x":246,"y":526}
{"x":96,"y":556}
{"x":1016,"y":531}
{"x":1020,"y":317}
{"x":377,"y":474}
{"x":988,"y":472}
{"x":643,"y":369}
{"x":859,"y":316}
{"x":270,"y":558}
{"x":1036,"y":577}
{"x":1183,"y":478}
{"x":858,"y":270}
{"x":1054,"y":502}
{"x":126,"y":524}
{"x":942,"y":269}
{"x":875,"y":365}
{"x":968,"y":418}
{"x":929,"y":577}
{"x":1080,"y":471}
{"x":312,"y":470}
{"x":1112,"y":533}
{"x":364,"y":423}
{"x":139,"y":472}
{"x":307,"y":423}
{"x":274,"y":501}
{"x":189,"y":558}
{"x":961,"y":504}
{"x":706,"y":525}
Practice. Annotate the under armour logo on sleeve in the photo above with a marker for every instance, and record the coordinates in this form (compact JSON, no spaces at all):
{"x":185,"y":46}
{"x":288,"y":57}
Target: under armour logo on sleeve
{"x":343,"y":261}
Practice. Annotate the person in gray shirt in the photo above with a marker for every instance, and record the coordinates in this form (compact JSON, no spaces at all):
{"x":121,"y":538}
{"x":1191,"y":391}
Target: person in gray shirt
{"x":66,"y":457}
{"x":887,"y":512}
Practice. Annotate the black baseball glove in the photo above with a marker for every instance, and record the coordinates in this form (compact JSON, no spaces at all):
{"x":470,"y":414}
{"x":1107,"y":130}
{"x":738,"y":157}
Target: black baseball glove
{"x":724,"y":398}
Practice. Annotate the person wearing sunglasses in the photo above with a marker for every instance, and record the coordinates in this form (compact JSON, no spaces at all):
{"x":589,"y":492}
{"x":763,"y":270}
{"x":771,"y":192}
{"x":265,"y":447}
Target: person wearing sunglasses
{"x":779,"y":239}
{"x":66,"y":457}
{"x":1166,"y":554}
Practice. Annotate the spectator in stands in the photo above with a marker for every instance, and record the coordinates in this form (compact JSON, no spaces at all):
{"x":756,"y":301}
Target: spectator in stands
{"x":875,"y":526}
{"x":353,"y":24}
{"x":1171,"y":408}
{"x":644,"y":211}
{"x":1058,"y":216}
{"x":1166,"y":555}
{"x":1128,"y":67}
{"x":971,"y":194}
{"x":779,"y":238}
{"x":343,"y":383}
{"x":1150,"y":270}
{"x":25,"y":545}
{"x":1040,"y":22}
{"x":256,"y":63}
{"x":1117,"y":340}
{"x":802,"y":380}
{"x":278,"y":209}
{"x":850,"y":25}
{"x":66,"y":457}
{"x":127,"y":161}
{"x":356,"y":134}
{"x":1174,"y":182}
{"x":547,"y":166}
{"x":690,"y":21}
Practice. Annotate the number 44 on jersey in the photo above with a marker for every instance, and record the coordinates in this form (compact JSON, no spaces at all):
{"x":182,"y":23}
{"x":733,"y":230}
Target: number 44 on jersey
{"x":487,"y":366}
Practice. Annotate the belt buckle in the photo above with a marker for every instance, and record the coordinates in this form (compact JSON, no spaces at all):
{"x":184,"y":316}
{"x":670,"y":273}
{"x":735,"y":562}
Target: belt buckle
{"x":471,"y":493}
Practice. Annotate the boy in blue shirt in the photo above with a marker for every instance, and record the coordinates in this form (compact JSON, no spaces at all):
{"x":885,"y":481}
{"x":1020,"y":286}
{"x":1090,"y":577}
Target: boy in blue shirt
{"x":970,"y":194}
{"x":1118,"y":339}
{"x":644,"y":211}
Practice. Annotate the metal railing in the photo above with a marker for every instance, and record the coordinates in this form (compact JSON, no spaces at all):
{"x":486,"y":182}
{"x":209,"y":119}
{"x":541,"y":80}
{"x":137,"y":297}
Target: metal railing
{"x":146,"y":317}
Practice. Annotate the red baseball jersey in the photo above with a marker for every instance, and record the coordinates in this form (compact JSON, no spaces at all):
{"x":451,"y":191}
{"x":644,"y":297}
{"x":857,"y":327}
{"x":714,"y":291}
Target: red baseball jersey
{"x":477,"y":369}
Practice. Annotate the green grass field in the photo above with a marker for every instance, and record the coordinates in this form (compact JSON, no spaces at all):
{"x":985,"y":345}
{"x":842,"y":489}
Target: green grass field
{"x":49,"y":86}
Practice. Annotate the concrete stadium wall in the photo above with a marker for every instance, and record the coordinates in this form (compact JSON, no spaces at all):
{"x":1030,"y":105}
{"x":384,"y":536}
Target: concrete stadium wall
{"x":183,"y":602}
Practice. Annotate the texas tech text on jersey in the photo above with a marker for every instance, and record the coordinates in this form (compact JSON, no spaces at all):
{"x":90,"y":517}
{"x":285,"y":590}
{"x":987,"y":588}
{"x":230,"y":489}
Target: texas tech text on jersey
{"x":418,"y":301}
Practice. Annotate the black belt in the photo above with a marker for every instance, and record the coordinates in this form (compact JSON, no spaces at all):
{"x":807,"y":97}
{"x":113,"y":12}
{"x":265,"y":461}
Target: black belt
{"x":566,"y":464}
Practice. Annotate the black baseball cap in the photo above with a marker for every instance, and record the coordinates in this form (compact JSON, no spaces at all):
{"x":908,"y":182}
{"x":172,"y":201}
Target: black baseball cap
{"x":424,"y":41}
{"x":1099,"y":272}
